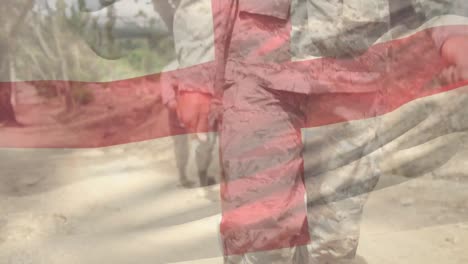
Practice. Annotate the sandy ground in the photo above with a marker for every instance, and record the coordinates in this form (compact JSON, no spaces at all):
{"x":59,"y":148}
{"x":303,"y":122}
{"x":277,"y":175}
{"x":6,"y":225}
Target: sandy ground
{"x":123,"y":205}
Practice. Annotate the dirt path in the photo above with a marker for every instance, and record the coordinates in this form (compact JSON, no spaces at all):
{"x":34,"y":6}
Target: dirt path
{"x":120,"y":205}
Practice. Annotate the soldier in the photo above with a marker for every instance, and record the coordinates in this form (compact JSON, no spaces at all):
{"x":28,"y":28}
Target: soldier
{"x":203,"y":153}
{"x":263,"y":102}
{"x":263,"y":110}
{"x":188,"y":36}
{"x":264,"y":99}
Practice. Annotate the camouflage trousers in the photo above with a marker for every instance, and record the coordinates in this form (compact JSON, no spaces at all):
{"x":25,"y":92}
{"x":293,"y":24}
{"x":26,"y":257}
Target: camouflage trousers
{"x":255,"y":116}
{"x":203,"y":151}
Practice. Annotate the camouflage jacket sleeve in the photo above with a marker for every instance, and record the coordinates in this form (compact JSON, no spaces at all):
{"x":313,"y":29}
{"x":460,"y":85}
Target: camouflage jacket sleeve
{"x":194,"y":45}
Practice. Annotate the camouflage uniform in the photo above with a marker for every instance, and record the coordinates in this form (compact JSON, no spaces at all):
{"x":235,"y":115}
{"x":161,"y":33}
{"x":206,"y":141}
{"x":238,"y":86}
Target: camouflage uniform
{"x":181,"y":138}
{"x":264,"y":97}
{"x":337,"y":29}
{"x":188,"y":38}
{"x":251,"y":79}
{"x":261,"y":107}
{"x":335,"y":214}
{"x":194,"y":44}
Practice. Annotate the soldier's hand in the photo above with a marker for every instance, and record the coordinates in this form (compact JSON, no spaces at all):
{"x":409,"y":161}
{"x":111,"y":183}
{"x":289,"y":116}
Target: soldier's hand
{"x":455,"y":50}
{"x":193,"y":109}
{"x":172,"y":105}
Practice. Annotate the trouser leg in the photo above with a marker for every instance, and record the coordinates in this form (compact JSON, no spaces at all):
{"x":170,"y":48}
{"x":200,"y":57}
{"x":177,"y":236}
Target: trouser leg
{"x":203,"y":156}
{"x":335,"y":212}
{"x":181,"y":147}
{"x":264,"y":214}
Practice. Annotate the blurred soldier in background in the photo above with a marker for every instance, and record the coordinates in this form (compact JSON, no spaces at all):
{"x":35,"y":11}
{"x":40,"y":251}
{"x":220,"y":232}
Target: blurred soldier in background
{"x":192,"y":28}
{"x":181,"y":138}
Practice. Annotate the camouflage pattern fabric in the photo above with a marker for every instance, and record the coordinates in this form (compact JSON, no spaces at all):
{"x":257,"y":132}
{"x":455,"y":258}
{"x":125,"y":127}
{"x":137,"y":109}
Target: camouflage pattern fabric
{"x":338,"y":29}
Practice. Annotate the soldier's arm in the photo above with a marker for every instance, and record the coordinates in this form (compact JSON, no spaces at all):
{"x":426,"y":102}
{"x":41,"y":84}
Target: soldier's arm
{"x":453,"y":44}
{"x":451,"y":40}
{"x":224,"y":15}
{"x":206,"y":80}
{"x":198,"y":50}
